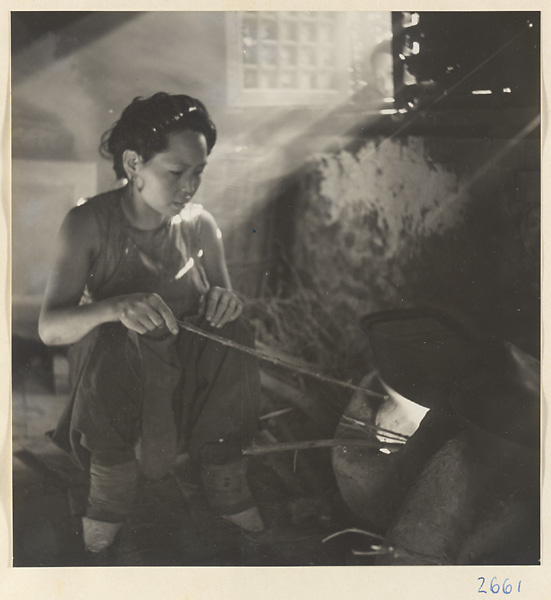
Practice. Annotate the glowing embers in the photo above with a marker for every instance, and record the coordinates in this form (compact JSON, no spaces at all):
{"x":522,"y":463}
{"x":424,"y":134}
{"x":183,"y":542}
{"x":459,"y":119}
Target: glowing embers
{"x":399,"y":415}
{"x":188,"y":266}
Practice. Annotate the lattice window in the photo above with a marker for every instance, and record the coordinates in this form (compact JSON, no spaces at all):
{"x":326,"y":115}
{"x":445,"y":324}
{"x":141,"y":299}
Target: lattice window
{"x":284,"y":58}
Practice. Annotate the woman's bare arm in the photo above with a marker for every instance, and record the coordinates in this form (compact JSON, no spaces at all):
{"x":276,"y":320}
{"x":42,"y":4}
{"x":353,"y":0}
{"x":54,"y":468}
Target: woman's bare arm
{"x":62,"y":320}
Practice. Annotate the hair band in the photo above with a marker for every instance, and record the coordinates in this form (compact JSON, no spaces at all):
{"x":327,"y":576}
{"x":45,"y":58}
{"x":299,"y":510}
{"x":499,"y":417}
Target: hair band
{"x":174,"y":118}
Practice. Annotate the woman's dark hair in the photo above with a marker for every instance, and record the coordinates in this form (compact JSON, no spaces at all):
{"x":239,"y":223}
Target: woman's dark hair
{"x":146,"y":123}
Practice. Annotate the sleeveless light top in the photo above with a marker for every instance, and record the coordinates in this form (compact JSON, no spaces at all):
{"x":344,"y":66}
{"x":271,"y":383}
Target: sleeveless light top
{"x":165,"y":260}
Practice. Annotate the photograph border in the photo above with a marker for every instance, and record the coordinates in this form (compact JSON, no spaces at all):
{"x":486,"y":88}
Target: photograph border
{"x":262,"y":583}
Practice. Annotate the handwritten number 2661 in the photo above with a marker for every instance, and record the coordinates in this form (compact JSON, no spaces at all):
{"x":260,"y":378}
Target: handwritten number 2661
{"x":495,"y":588}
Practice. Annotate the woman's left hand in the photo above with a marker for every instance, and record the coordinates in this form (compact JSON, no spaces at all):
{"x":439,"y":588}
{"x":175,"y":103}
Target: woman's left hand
{"x":220,"y":306}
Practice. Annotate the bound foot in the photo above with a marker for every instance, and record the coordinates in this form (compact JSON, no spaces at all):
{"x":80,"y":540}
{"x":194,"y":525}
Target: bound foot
{"x":249,"y":520}
{"x":98,"y":535}
{"x":229,"y":495}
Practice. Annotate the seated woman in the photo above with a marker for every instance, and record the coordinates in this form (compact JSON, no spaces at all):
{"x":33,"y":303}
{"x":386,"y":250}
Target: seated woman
{"x":131,"y":263}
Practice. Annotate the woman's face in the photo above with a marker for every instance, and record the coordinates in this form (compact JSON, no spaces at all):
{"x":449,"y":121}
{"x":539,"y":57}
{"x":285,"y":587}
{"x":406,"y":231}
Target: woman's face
{"x":170,"y":178}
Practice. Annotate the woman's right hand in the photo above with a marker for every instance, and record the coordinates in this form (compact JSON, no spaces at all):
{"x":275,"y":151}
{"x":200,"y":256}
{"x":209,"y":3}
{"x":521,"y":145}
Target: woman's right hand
{"x":63,"y":319}
{"x":146,"y":312}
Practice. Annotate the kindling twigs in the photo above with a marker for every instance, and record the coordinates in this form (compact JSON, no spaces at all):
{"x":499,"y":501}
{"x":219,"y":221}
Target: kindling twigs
{"x":395,"y":435}
{"x":276,"y":413}
{"x":277,"y":361}
{"x":307,"y":445}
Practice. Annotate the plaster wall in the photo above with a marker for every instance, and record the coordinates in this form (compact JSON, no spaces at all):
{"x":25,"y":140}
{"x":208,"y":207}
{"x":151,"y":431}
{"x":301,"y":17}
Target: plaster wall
{"x":421,"y":221}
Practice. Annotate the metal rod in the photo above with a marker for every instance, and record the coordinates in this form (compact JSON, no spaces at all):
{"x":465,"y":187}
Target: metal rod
{"x":277,"y":361}
{"x":399,"y":437}
{"x":307,"y":445}
{"x":276,"y":413}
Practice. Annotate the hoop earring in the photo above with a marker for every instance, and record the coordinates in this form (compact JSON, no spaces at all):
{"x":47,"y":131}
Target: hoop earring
{"x":139,"y":183}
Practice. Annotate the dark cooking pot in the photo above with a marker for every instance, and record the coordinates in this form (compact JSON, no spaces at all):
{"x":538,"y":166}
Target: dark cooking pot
{"x":440,"y":360}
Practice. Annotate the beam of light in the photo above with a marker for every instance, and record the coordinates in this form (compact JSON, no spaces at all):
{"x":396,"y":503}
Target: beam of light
{"x":280,"y":138}
{"x":448,"y":91}
{"x":477,"y":68}
{"x":512,"y":143}
{"x":298,"y":123}
{"x":287,"y":137}
{"x":481,"y":92}
{"x":388,"y":111}
{"x":185,"y":269}
{"x":88,"y":28}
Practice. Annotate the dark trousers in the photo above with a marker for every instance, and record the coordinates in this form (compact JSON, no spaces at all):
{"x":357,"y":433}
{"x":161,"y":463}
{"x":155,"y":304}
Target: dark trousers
{"x":169,"y":393}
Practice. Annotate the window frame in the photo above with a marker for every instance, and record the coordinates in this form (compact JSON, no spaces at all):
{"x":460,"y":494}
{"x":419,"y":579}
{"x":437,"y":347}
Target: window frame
{"x":239,"y":96}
